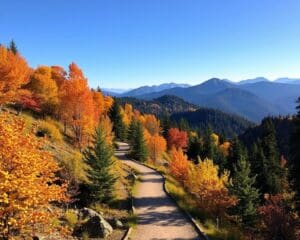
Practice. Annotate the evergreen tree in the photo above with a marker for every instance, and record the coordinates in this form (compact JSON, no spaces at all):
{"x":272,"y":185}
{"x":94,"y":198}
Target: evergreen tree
{"x":274,"y":172}
{"x":221,"y":160}
{"x":243,"y":188}
{"x":13,"y":47}
{"x":131,"y":134}
{"x":209,"y":147}
{"x":119,"y":126}
{"x":166,"y":125}
{"x":258,"y":166}
{"x":99,"y":159}
{"x":236,"y":152}
{"x":139,"y":149}
{"x":183,"y":125}
{"x":295,"y":154}
{"x":194,"y":148}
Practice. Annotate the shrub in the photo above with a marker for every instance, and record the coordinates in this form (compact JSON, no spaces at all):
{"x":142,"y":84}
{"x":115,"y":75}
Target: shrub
{"x":49,"y":128}
{"x":71,"y":218}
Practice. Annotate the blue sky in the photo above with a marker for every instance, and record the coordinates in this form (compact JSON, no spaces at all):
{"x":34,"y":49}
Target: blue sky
{"x":128,"y":43}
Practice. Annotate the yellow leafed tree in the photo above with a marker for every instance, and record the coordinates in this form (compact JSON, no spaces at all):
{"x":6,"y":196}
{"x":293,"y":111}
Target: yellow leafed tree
{"x":45,"y":88}
{"x":27,"y":181}
{"x":209,"y":188}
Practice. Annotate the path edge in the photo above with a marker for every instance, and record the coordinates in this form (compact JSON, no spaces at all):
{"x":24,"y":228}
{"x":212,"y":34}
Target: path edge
{"x":129,"y":230}
{"x":189,"y":216}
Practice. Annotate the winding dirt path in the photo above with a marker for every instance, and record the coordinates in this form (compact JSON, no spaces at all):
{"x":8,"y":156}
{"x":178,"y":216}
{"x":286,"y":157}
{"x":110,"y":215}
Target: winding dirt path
{"x":158,"y":216}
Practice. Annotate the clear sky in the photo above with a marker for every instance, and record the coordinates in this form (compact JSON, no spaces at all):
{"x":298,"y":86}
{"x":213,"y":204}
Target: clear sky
{"x":128,"y":43}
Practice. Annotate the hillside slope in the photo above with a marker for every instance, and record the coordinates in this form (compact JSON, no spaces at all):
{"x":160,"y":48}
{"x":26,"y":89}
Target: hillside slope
{"x":222,"y":123}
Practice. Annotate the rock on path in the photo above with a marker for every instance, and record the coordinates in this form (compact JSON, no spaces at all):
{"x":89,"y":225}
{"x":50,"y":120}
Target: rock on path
{"x":158,"y":216}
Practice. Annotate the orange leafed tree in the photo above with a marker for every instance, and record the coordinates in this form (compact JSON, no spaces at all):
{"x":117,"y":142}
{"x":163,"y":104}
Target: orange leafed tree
{"x":98,"y":104}
{"x":224,"y":147}
{"x":108,"y":102}
{"x":77,"y":105}
{"x":210,"y":188}
{"x":151,"y":124}
{"x":156,"y":146}
{"x":177,"y":138}
{"x":27,"y":180}
{"x":59,"y":75}
{"x":179,"y":165}
{"x":14,"y":73}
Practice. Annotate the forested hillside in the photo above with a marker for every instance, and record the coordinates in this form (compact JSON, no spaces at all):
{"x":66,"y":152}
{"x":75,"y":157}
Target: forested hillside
{"x":222,"y":123}
{"x":164,"y":105}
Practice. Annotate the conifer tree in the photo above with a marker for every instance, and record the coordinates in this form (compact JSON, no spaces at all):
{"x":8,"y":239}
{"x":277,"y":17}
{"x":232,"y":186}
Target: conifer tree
{"x":236,"y":152}
{"x":131,"y":132}
{"x":99,"y":159}
{"x":258,"y":161}
{"x":274,"y":172}
{"x":295,"y":154}
{"x":139,"y":149}
{"x":194,"y":148}
{"x":13,"y":47}
{"x":115,"y":116}
{"x":209,"y":147}
{"x":166,"y":125}
{"x":243,"y":188}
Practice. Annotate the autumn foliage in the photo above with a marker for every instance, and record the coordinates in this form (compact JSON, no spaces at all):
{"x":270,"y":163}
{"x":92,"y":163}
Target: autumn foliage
{"x":28,"y":183}
{"x":156,"y":146}
{"x":179,"y":165}
{"x":77,"y":105}
{"x":177,"y":138}
{"x":14,"y":73}
{"x":210,"y":187}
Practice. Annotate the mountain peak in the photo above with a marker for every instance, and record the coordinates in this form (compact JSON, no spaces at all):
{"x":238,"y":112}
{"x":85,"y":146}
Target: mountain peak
{"x":254,"y":80}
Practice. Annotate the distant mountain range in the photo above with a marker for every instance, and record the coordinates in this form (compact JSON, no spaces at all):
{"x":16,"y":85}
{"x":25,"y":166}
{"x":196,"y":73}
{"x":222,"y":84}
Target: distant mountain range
{"x":153,"y":89}
{"x":253,"y":99}
{"x":200,"y":118}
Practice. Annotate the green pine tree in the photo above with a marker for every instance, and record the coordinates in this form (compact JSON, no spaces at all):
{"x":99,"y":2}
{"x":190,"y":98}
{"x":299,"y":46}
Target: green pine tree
{"x":139,"y":149}
{"x":131,"y":134}
{"x":243,"y":188}
{"x":295,"y":154}
{"x":13,"y":47}
{"x":194,"y":148}
{"x":209,"y":147}
{"x":236,"y":152}
{"x":99,"y":159}
{"x":272,"y":169}
{"x":166,"y":125}
{"x":258,"y":162}
{"x":119,"y":126}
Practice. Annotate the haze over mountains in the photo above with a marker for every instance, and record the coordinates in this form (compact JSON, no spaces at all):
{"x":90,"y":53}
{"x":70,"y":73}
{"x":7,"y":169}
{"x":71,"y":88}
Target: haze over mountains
{"x":253,"y":99}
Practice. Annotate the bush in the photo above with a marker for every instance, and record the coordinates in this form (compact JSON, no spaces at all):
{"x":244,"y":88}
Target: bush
{"x":74,"y":164}
{"x":49,"y":128}
{"x":71,"y":218}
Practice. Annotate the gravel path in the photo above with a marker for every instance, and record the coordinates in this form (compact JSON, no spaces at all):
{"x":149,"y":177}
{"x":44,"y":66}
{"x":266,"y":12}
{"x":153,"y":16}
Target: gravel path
{"x":158,"y":216}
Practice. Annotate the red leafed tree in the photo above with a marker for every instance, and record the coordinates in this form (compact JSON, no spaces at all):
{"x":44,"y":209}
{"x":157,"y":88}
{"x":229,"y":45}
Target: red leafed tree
{"x":278,"y":221}
{"x":177,"y":138}
{"x":27,"y":100}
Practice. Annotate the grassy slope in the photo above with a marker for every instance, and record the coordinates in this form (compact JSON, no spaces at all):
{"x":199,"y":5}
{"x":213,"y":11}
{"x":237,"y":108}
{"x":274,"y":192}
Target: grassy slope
{"x":71,"y":159}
